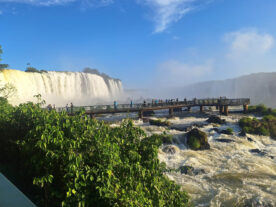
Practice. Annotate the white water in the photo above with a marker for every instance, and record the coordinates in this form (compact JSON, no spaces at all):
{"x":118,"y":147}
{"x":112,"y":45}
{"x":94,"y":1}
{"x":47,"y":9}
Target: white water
{"x":234,"y":176}
{"x":60,"y":88}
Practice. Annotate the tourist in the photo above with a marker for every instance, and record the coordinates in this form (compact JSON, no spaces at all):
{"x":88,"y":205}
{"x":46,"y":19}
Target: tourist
{"x":72,"y":107}
{"x":67,"y":108}
{"x":131,"y":104}
{"x":49,"y":107}
{"x":115,"y":105}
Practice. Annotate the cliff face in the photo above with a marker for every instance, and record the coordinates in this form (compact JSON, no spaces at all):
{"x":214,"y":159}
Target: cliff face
{"x":60,"y":88}
{"x":259,"y":87}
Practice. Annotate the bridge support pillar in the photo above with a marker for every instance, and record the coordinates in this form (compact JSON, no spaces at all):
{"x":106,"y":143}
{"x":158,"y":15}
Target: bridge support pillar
{"x":201,"y":108}
{"x":226,"y":111}
{"x":245,"y":108}
{"x":221,"y":109}
{"x":189,"y":108}
{"x":140,"y":114}
{"x":170,"y":111}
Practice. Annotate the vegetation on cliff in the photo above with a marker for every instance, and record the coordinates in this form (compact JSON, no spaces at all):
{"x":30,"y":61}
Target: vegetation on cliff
{"x":265,"y":126}
{"x":61,"y":160}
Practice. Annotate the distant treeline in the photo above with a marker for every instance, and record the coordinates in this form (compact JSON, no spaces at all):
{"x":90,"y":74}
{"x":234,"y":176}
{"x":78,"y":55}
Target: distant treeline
{"x":85,"y":70}
{"x":96,"y":72}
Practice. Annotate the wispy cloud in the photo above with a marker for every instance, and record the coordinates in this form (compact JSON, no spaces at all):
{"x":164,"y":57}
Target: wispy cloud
{"x":60,"y":2}
{"x":248,"y":42}
{"x":168,"y":11}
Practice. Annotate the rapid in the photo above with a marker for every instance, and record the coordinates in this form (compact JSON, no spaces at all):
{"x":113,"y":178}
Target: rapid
{"x":232,"y":174}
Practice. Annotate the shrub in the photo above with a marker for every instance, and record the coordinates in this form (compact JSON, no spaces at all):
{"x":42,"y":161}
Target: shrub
{"x":62,"y":160}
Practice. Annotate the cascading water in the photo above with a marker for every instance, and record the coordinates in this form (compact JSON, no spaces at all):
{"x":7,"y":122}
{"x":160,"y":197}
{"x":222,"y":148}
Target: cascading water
{"x":60,"y":88}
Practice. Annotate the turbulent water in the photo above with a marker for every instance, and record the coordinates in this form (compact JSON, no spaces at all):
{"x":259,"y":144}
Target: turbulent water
{"x":233,"y":176}
{"x":60,"y":88}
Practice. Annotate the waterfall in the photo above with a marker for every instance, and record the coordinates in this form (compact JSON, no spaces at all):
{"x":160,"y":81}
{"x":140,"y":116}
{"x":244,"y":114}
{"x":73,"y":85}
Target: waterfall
{"x":60,"y":88}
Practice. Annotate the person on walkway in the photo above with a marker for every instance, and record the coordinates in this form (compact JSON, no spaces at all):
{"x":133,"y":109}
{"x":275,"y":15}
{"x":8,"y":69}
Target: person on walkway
{"x":131,"y":104}
{"x":67,"y":108}
{"x":115,"y":105}
{"x":49,"y":107}
{"x":72,"y":107}
{"x":144,"y":103}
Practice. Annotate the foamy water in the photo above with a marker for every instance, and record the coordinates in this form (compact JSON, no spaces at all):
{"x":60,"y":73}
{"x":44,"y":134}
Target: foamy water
{"x":233,"y":176}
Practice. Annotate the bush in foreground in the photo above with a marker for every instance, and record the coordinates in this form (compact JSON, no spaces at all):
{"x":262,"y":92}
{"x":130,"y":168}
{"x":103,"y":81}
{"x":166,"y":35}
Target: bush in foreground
{"x":75,"y":161}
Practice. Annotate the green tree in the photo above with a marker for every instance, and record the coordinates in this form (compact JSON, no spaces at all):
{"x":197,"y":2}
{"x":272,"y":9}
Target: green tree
{"x":2,"y":66}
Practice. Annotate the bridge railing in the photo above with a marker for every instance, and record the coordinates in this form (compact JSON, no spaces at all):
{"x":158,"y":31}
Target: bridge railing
{"x":138,"y":106}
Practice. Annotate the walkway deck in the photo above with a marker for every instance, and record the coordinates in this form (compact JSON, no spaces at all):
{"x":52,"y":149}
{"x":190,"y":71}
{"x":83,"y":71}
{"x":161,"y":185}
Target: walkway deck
{"x":220,"y":103}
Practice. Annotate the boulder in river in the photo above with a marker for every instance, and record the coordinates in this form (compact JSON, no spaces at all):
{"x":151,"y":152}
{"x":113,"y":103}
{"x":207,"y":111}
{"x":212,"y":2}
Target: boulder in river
{"x":189,"y":170}
{"x":197,"y":140}
{"x":159,"y":122}
{"x":225,"y":140}
{"x":216,"y":120}
{"x":228,"y":131}
{"x":169,"y":149}
{"x":181,"y":128}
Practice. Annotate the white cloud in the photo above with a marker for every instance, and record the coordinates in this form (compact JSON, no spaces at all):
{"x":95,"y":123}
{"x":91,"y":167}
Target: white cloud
{"x":176,"y":73}
{"x":168,"y":11}
{"x":248,"y":42}
{"x":60,"y":2}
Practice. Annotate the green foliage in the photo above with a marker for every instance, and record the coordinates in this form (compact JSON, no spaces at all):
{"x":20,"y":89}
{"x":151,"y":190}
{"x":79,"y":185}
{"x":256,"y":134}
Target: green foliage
{"x":262,"y":110}
{"x":194,"y":143}
{"x":197,"y":140}
{"x":229,"y":130}
{"x":61,"y":160}
{"x":265,"y":126}
{"x":32,"y":70}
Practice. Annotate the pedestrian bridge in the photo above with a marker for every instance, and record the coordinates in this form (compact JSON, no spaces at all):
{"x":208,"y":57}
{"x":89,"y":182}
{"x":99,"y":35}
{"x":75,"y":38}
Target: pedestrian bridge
{"x":220,"y":103}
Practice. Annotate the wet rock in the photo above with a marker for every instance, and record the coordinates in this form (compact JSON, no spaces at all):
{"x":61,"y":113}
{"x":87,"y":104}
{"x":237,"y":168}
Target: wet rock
{"x":189,"y":170}
{"x":257,"y":151}
{"x":228,"y":131}
{"x":216,"y":120}
{"x":158,"y":122}
{"x":170,"y":149}
{"x":225,"y":140}
{"x":250,"y":139}
{"x":214,"y":129}
{"x":261,"y":153}
{"x":197,"y":140}
{"x":242,"y":134}
{"x":182,"y":128}
{"x":258,"y":202}
{"x":199,"y":125}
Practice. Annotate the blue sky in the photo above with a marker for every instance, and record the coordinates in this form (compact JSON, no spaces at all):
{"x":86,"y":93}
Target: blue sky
{"x":165,"y":43}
